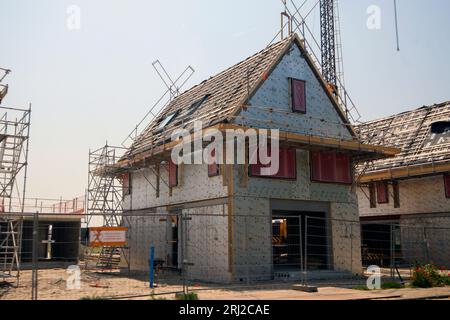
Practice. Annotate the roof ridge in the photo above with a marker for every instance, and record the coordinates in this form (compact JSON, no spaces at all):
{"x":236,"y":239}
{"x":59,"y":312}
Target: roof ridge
{"x":436,"y":105}
{"x":241,"y":62}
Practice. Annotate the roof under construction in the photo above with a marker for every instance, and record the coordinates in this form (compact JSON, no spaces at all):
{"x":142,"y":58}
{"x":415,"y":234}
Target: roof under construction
{"x":219,"y":99}
{"x":215,"y":99}
{"x":423,"y":135}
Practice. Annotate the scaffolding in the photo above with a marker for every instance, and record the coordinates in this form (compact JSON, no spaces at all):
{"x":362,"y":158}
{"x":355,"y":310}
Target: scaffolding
{"x":14,"y":141}
{"x":104,"y":205}
{"x":3,"y":87}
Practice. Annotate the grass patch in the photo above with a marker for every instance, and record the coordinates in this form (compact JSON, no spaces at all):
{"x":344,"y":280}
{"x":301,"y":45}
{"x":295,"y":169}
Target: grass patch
{"x":384,"y":286}
{"x":186,"y":296}
{"x":392,"y":285}
{"x":92,"y":298}
{"x":361,"y":287}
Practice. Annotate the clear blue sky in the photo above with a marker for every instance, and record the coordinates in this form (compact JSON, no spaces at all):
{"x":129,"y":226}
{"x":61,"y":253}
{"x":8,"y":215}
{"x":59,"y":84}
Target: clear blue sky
{"x":95,"y":84}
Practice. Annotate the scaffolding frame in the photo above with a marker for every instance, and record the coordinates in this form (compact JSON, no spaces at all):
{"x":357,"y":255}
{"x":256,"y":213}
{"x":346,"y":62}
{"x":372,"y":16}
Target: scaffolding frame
{"x":105,"y":189}
{"x":14,"y":148}
{"x":104,"y":199}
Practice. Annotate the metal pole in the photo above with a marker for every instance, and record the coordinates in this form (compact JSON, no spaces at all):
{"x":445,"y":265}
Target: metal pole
{"x":245,"y":250}
{"x":306,"y":250}
{"x":34,"y":276}
{"x":183,"y":251}
{"x":152,"y":266}
{"x":396,"y":25}
{"x":351,"y":247}
{"x":391,"y":253}
{"x":302,"y":266}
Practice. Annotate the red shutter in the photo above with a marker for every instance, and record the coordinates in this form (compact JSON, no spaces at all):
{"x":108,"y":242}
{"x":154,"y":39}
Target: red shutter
{"x":447,"y":185}
{"x":213,"y":169}
{"x":287,"y":165}
{"x":382,"y":192}
{"x":316,"y":172}
{"x":331,"y":167}
{"x":343,"y":168}
{"x":328,"y":167}
{"x":287,"y":160}
{"x":298,"y":92}
{"x":173,"y":174}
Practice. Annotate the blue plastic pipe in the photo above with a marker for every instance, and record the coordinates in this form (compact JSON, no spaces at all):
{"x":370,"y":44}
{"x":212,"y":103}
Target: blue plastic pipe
{"x":152,"y":268}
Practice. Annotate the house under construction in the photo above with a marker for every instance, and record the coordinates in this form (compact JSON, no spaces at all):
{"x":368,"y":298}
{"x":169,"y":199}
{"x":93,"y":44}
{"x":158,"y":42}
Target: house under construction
{"x":222,"y":222}
{"x":413,"y":188}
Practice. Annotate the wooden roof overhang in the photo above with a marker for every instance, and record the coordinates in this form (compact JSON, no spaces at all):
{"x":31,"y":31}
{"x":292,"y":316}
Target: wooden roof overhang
{"x":407,"y":172}
{"x":358,"y":150}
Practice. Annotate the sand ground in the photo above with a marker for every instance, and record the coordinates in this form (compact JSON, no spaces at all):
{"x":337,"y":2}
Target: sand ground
{"x":52,"y":285}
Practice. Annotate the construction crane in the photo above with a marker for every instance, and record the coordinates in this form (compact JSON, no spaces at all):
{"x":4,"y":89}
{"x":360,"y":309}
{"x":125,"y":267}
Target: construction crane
{"x":328,"y":41}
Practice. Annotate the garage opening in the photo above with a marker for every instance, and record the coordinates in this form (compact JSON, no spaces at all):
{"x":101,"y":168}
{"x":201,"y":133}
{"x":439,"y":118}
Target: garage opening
{"x":57,"y":241}
{"x":300,"y":239}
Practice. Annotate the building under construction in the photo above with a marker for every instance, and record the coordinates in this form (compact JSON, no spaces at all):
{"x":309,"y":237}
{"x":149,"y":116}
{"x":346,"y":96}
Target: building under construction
{"x":411,"y":189}
{"x":227,"y":229}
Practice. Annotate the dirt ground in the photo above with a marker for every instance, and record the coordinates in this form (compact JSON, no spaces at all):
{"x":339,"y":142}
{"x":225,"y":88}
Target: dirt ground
{"x":52,"y":285}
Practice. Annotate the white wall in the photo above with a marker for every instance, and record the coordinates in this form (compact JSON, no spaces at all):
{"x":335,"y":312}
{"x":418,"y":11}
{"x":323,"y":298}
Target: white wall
{"x":422,"y":195}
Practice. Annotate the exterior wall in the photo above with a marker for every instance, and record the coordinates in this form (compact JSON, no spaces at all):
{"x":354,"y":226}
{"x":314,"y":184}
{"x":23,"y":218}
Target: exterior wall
{"x":346,"y":236}
{"x":320,"y":119}
{"x":252,"y":239}
{"x":149,"y":227}
{"x":191,"y":178}
{"x":206,"y":243}
{"x":202,"y":241}
{"x":253,"y":213}
{"x":423,"y":195}
{"x":424,"y":218}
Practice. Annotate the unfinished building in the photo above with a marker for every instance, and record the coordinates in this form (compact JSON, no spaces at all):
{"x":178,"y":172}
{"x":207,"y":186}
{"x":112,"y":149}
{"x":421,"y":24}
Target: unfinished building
{"x":228,"y":222}
{"x":412,"y":190}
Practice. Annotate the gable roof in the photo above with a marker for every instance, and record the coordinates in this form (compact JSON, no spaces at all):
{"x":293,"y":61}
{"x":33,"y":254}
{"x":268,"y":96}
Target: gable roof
{"x":412,"y":133}
{"x":227,"y":93}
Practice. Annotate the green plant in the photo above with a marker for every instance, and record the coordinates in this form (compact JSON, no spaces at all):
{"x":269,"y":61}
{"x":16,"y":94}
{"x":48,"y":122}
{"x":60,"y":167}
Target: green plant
{"x":186,"y":296}
{"x":361,"y":287}
{"x":446,"y":280}
{"x":92,"y":298}
{"x":158,"y":298}
{"x":392,"y":285}
{"x":426,"y":276}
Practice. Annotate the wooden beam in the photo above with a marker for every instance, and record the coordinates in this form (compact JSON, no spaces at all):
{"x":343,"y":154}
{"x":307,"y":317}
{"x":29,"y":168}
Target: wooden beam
{"x":405,"y":172}
{"x":299,"y":139}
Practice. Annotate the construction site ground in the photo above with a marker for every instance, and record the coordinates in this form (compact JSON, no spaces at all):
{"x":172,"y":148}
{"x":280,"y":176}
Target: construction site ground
{"x":52,"y":286}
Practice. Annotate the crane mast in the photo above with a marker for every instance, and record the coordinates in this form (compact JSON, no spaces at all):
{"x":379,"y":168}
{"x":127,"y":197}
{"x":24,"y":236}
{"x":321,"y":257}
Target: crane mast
{"x":328,"y":42}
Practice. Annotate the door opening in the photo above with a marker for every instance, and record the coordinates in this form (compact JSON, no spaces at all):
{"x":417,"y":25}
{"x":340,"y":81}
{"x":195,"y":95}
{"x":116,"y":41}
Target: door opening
{"x":300,"y":239}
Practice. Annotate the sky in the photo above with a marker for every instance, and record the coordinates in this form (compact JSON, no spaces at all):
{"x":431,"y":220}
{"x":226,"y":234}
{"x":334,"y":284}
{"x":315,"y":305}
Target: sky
{"x":92,"y":82}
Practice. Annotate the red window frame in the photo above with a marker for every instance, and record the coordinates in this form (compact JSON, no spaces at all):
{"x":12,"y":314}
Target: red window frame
{"x":382,"y":192}
{"x":213,"y":169}
{"x":447,"y":185}
{"x":287,"y":169}
{"x":298,"y":95}
{"x":331,"y":167}
{"x":173,"y":174}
